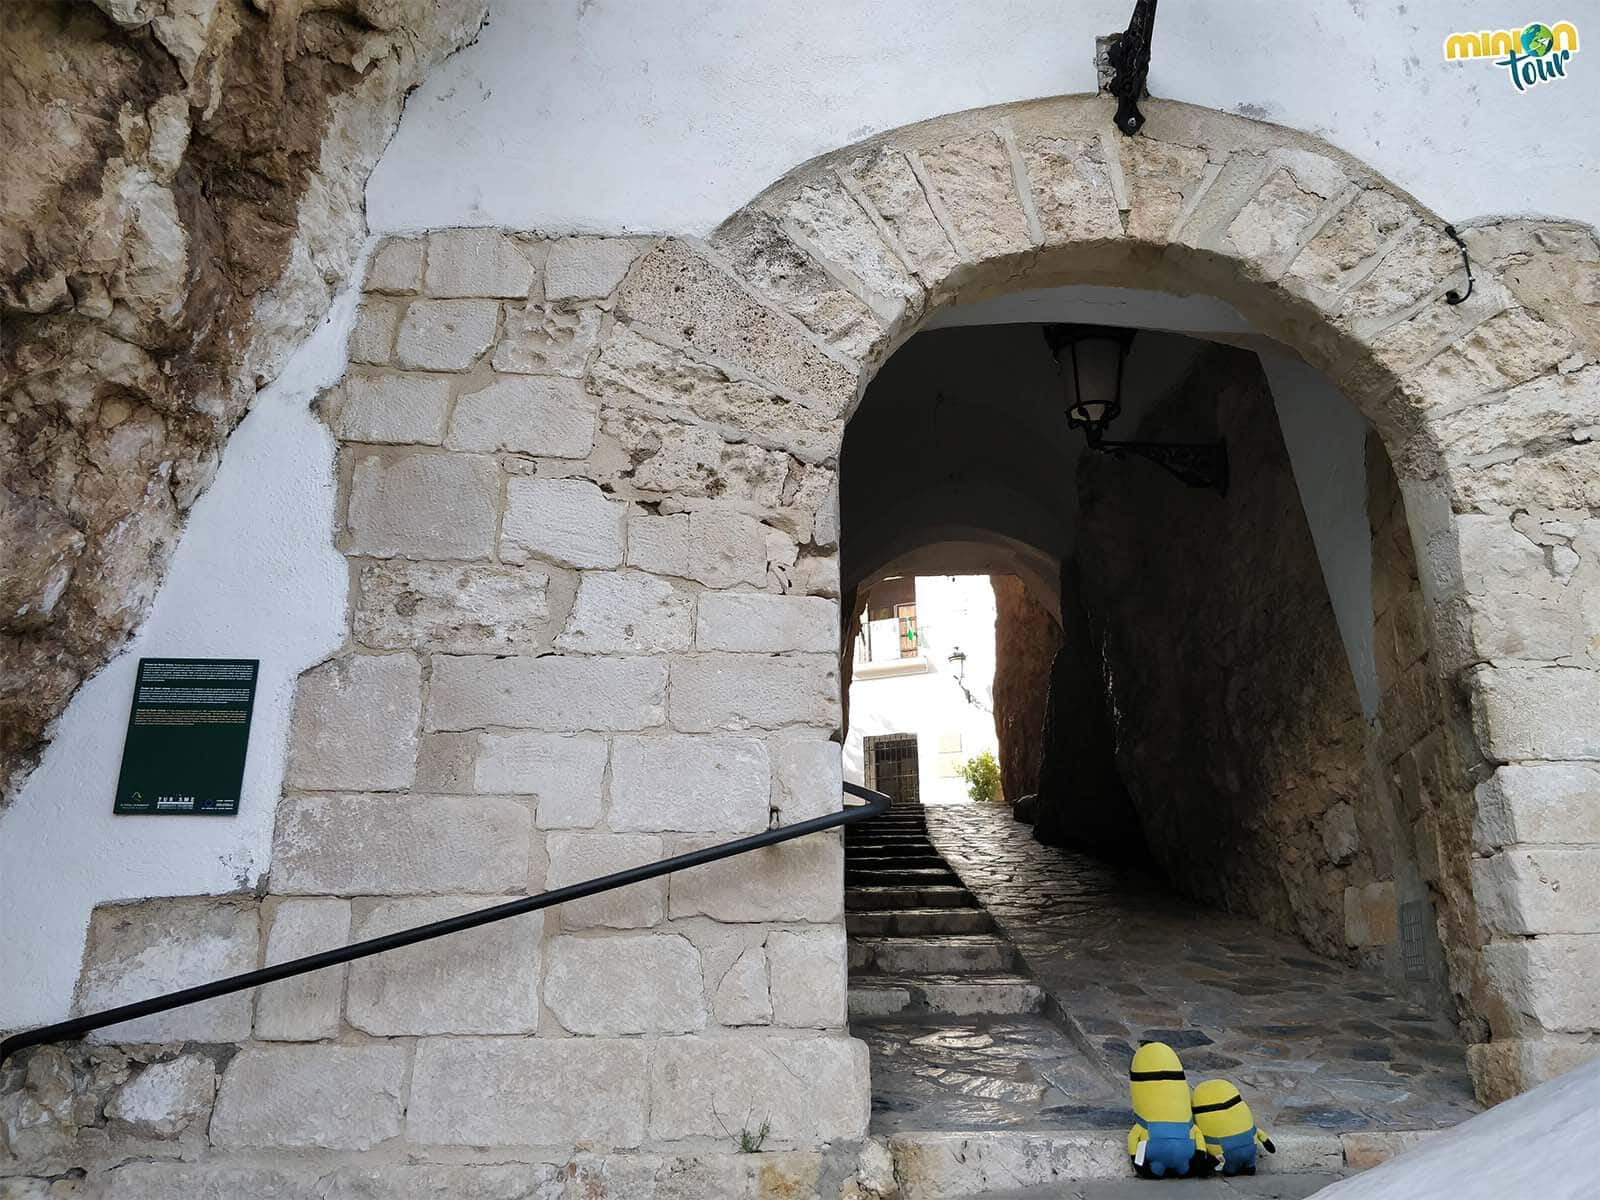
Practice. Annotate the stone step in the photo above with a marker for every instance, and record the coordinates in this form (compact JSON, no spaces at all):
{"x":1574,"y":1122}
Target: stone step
{"x":871,"y":899}
{"x":914,"y":922}
{"x":895,"y":862}
{"x":896,"y":850}
{"x":900,"y":815}
{"x":906,"y":830}
{"x":921,"y":955}
{"x":961,"y":995}
{"x":1035,"y":1164}
{"x":942,"y":877}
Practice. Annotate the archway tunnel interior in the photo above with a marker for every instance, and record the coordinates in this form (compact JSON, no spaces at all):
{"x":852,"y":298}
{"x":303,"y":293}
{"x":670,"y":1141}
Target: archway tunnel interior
{"x":1211,"y":706}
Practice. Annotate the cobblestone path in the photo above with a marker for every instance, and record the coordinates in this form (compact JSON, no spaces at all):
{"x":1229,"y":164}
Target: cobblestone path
{"x":1311,"y":1042}
{"x":958,"y":1033}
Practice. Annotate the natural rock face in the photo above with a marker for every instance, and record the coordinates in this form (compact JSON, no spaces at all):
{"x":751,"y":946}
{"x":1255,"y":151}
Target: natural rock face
{"x":1082,"y":802}
{"x":1238,"y":731}
{"x":181,"y":194}
{"x":1027,"y":637}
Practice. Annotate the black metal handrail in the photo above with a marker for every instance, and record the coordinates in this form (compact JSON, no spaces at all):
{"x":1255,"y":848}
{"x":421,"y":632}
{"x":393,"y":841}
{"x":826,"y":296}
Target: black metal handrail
{"x":61,"y":1031}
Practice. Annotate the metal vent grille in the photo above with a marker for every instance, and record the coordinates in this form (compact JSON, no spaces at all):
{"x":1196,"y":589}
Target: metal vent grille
{"x":1413,"y":938}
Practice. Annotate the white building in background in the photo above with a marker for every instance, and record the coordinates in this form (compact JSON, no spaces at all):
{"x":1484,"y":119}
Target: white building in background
{"x":916,"y":714}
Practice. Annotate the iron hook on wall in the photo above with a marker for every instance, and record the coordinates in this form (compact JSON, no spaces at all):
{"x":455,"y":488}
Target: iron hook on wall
{"x":1129,"y":57}
{"x":1453,"y":296}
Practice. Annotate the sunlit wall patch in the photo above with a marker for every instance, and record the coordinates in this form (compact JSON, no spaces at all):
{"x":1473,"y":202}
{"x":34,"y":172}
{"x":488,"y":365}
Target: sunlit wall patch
{"x":1535,"y":54}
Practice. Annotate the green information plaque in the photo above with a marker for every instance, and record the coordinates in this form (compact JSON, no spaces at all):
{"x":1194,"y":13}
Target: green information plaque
{"x":187,"y":736}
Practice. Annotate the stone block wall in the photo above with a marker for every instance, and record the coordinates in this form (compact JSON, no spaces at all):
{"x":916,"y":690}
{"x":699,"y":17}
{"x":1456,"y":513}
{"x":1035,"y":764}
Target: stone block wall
{"x":577,"y":644}
{"x":584,"y":634}
{"x":1417,"y":922}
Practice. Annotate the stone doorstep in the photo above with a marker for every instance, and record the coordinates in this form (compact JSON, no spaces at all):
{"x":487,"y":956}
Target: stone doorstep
{"x":955,"y":1166}
{"x":1300,"y":1185}
{"x":928,"y":1166}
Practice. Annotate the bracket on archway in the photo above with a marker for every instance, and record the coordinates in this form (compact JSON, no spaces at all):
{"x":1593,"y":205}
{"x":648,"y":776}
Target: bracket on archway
{"x":1198,"y":464}
{"x":1130,"y":59}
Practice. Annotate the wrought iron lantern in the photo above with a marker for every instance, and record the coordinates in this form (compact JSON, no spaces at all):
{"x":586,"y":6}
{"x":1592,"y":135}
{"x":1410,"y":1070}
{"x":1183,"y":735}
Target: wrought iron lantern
{"x":1091,"y":360}
{"x":958,"y":662}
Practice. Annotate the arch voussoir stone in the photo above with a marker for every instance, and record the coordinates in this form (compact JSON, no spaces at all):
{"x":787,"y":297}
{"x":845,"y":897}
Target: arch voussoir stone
{"x":683,"y":296}
{"x":834,"y":305}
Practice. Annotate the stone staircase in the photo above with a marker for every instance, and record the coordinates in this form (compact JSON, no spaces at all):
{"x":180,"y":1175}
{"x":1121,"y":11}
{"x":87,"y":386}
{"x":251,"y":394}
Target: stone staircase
{"x":919,"y":941}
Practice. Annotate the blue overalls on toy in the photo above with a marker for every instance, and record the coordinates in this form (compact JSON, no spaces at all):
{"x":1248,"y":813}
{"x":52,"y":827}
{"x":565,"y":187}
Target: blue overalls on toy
{"x":1169,"y":1149}
{"x":1238,"y":1152}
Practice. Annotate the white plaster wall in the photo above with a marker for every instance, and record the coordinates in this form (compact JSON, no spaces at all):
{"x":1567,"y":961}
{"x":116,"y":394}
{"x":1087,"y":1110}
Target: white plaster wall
{"x":1327,"y":443}
{"x":616,"y":115}
{"x":952,"y":610}
{"x":254,"y":576}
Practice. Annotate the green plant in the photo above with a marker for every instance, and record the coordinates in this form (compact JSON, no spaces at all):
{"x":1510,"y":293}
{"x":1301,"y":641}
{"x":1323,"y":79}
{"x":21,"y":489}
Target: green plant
{"x":748,"y":1142}
{"x":982,"y":774}
{"x":751,"y":1143}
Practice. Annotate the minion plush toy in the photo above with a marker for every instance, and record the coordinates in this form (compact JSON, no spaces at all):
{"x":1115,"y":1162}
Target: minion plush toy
{"x":1163,"y":1140}
{"x":1225,"y":1122}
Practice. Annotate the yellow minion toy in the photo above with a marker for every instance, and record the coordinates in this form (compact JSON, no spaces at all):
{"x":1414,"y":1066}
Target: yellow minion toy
{"x":1228,"y":1127}
{"x":1163,"y":1140}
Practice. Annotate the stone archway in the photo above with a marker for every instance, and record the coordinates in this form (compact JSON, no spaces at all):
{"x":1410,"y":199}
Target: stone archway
{"x":587,"y":496}
{"x":1479,"y":404}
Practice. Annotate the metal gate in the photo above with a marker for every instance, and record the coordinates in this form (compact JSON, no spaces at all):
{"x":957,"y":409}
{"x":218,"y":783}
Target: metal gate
{"x":892,"y":766}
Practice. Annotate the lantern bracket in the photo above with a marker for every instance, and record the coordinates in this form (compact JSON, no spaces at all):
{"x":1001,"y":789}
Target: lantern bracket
{"x":1092,"y":406}
{"x":1198,"y":464}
